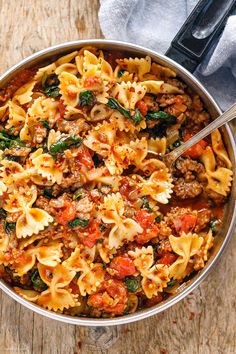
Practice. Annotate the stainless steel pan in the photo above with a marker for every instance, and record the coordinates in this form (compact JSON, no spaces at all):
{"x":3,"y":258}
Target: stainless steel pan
{"x":221,"y":239}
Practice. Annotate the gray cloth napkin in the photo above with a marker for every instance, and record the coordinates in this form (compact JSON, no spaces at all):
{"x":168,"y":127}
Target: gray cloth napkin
{"x":154,"y":23}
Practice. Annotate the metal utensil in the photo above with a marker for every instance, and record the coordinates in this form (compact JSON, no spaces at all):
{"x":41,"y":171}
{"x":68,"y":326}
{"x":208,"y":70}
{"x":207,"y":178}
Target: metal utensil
{"x":224,"y":118}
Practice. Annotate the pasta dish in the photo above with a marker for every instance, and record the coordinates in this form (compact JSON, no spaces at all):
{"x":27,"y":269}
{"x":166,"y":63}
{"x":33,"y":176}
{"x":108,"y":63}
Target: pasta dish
{"x":92,"y":222}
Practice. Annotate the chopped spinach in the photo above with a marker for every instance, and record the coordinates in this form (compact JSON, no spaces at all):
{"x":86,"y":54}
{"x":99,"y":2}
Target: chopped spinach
{"x":171,"y":282}
{"x":64,"y":143}
{"x":214,"y":226}
{"x":100,"y":240}
{"x":146,"y":203}
{"x":50,"y":86}
{"x":152,"y":115}
{"x":176,"y":144}
{"x":137,"y":117}
{"x":38,"y":283}
{"x":77,"y":195}
{"x":158,"y":219}
{"x":9,"y":141}
{"x":45,"y":124}
{"x":3,"y":213}
{"x":12,"y":157}
{"x":120,"y":73}
{"x":102,"y":227}
{"x":78,"y":222}
{"x":47,"y":192}
{"x":9,"y":227}
{"x":113,"y":104}
{"x":132,"y":284}
{"x":87,"y":98}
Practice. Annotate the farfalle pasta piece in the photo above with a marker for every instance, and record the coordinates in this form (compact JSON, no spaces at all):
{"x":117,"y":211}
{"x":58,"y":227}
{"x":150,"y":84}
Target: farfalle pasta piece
{"x":24,"y":94}
{"x":90,"y":65}
{"x":143,"y":258}
{"x":30,"y":295}
{"x":125,"y":154}
{"x":219,"y":148}
{"x":101,"y":138}
{"x":99,"y":112}
{"x":185,"y":246}
{"x":56,"y":297}
{"x":17,"y":116}
{"x":128,"y":93}
{"x":45,"y":166}
{"x":105,"y":252}
{"x":123,"y":124}
{"x":156,"y":87}
{"x":12,"y":172}
{"x":68,"y":67}
{"x":124,"y":229}
{"x":158,"y":186}
{"x":45,"y":71}
{"x":157,"y":145}
{"x":122,"y":75}
{"x":91,"y":279}
{"x":32,"y":221}
{"x":80,"y":259}
{"x":70,"y":88}
{"x":203,"y":253}
{"x":66,"y":58}
{"x":137,"y":66}
{"x":4,"y":243}
{"x":3,"y":188}
{"x":3,"y":110}
{"x":155,"y":277}
{"x":219,"y":178}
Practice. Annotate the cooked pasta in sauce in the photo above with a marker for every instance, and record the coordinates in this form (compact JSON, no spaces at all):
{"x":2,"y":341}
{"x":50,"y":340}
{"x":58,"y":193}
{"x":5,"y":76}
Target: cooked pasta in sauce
{"x":92,"y":223}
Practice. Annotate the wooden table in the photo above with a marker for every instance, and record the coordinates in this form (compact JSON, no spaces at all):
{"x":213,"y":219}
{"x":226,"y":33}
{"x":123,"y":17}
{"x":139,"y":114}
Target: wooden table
{"x":203,"y":323}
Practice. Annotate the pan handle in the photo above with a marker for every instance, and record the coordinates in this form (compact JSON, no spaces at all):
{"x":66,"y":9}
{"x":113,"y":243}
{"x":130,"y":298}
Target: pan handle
{"x":200,"y":31}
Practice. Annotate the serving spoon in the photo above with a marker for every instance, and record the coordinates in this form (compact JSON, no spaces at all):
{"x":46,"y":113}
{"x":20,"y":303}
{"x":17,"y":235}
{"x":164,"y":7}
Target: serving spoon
{"x":172,"y":156}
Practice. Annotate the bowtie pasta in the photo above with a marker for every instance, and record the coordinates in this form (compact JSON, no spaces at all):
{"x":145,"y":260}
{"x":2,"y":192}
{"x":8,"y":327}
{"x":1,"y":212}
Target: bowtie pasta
{"x":92,"y":222}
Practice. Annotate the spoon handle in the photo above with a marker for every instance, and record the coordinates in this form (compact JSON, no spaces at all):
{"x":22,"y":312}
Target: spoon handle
{"x":218,"y":122}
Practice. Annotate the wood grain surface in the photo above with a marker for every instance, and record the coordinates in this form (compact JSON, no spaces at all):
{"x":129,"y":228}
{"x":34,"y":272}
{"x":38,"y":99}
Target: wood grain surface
{"x":203,"y":323}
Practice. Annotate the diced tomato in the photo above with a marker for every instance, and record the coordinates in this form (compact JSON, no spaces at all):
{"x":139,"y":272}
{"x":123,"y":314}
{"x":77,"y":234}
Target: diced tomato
{"x":185,"y":223}
{"x":125,"y":188}
{"x":167,"y":258}
{"x":61,"y":108}
{"x":113,"y":299}
{"x":142,"y":106}
{"x":146,"y":221}
{"x":196,"y":151}
{"x":123,"y":266}
{"x":85,"y":157}
{"x":91,"y":81}
{"x":92,"y":233}
{"x":66,"y":214}
{"x":144,"y":218}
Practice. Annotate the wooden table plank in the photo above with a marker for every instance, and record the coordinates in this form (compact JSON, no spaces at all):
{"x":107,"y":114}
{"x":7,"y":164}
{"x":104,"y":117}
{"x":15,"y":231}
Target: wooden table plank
{"x":202,"y":323}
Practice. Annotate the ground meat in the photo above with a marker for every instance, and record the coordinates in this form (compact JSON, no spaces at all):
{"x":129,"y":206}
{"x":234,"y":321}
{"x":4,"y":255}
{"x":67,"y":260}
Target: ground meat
{"x":164,"y":230}
{"x":164,"y":246}
{"x":22,"y":152}
{"x":177,"y":83}
{"x":185,"y":190}
{"x":84,"y":205}
{"x":72,"y":127}
{"x":216,"y":197}
{"x":43,"y":203}
{"x":204,"y":217}
{"x":40,"y":133}
{"x":186,"y":165}
{"x":196,"y":120}
{"x":152,"y":105}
